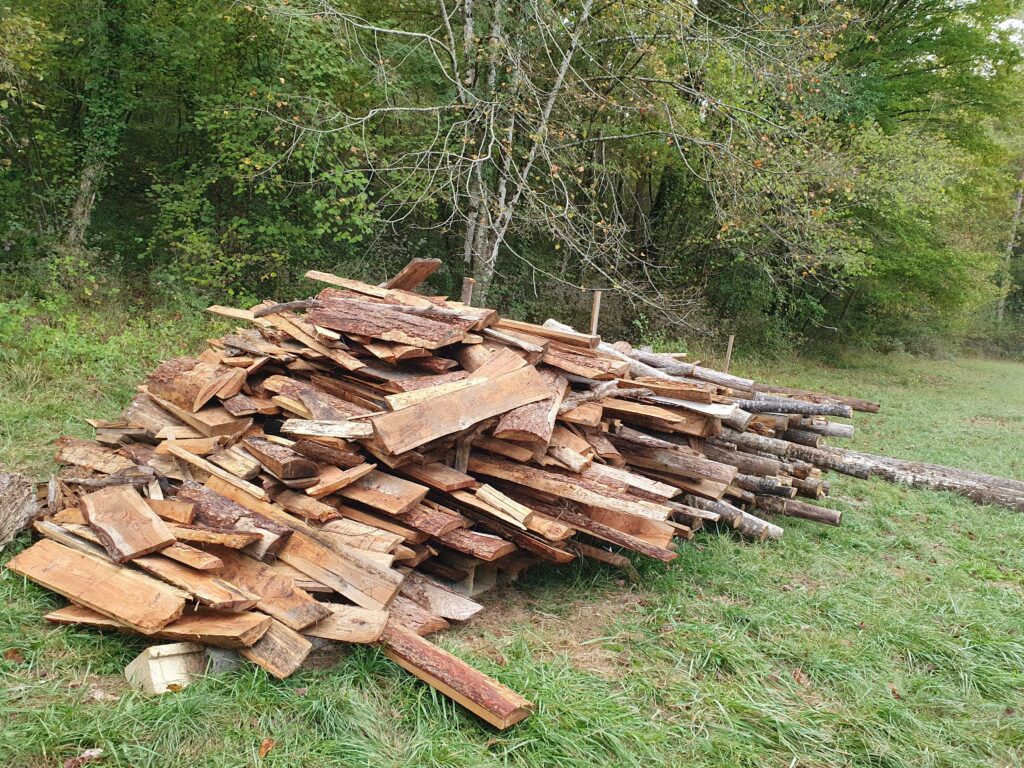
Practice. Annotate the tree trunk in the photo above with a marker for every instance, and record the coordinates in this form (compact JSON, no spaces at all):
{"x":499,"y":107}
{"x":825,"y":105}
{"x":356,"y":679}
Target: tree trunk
{"x":81,"y":211}
{"x":1004,"y":278}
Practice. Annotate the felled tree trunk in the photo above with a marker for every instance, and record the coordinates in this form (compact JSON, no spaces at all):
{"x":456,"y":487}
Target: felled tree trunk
{"x":17,"y":506}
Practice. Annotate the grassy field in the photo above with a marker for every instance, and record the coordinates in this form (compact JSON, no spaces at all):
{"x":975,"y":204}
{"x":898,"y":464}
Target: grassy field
{"x":895,"y":640}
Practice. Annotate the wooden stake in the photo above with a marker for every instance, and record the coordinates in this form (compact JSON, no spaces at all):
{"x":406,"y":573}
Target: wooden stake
{"x":728,"y":352}
{"x":467,"y":290}
{"x":595,"y":312}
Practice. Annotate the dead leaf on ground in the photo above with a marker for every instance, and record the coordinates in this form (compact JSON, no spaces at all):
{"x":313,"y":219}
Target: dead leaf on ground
{"x":265,"y":746}
{"x":15,"y":655}
{"x":801,"y":677}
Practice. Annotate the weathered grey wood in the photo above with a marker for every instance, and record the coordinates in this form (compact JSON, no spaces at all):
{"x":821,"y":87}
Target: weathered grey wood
{"x":18,"y":506}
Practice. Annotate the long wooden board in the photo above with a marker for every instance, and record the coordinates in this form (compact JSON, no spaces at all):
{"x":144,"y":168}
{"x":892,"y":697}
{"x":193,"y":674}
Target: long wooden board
{"x":480,"y":694}
{"x":418,"y":424}
{"x":220,"y":629}
{"x":132,"y":598}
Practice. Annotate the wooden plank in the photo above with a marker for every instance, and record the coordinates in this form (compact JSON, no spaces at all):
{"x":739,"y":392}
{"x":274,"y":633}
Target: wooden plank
{"x":409,"y":535}
{"x":402,"y":400}
{"x":565,"y":487}
{"x":482,"y":695}
{"x":237,"y":462}
{"x":344,"y":569}
{"x":278,"y":595}
{"x":416,"y":617}
{"x":534,"y":422}
{"x":280,"y":651}
{"x":439,"y":476}
{"x":387,"y":493}
{"x":417,"y":425}
{"x":304,"y":506}
{"x":173,"y":511}
{"x":208,"y":588}
{"x":380,"y":321}
{"x":125,"y":524}
{"x":132,"y":598}
{"x":332,"y":479}
{"x":432,"y":519}
{"x":192,"y":557}
{"x":437,"y":598}
{"x":224,"y":537}
{"x":349,"y":624}
{"x":362,"y":535}
{"x":220,"y":629}
{"x":413,"y":274}
{"x":215,"y":510}
{"x":216,"y":471}
{"x":572,"y":338}
{"x":340,"y":429}
{"x":188,"y":382}
{"x":211,"y":421}
{"x":279,"y":460}
{"x":93,"y":456}
{"x":483,"y":546}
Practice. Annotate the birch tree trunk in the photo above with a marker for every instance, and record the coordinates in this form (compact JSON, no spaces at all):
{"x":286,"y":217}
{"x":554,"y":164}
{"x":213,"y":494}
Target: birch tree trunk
{"x":1005,"y":278}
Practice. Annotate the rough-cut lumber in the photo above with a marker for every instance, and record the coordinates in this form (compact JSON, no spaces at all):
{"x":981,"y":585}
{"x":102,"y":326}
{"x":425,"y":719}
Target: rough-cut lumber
{"x":565,"y":487}
{"x":214,"y":510}
{"x":416,"y":617}
{"x":17,"y":506}
{"x":346,"y":570}
{"x":417,"y":425}
{"x":482,"y":546}
{"x":85,"y":453}
{"x":380,"y":321}
{"x":278,"y":595}
{"x":437,"y":598}
{"x":413,"y":274}
{"x":130,"y":597}
{"x":188,"y":382}
{"x":439,"y":476}
{"x":211,"y":420}
{"x":482,"y":695}
{"x":332,"y":479}
{"x":124,"y":522}
{"x":570,"y":337}
{"x":534,"y":422}
{"x":279,"y":460}
{"x":220,"y":629}
{"x":216,"y":471}
{"x":341,"y":429}
{"x":349,"y":624}
{"x":238,"y":462}
{"x":280,"y":651}
{"x":386,"y":493}
{"x":192,"y":557}
{"x":208,"y":588}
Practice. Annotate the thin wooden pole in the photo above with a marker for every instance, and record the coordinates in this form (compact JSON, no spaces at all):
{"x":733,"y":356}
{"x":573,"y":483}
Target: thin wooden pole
{"x":467,"y":290}
{"x":595,"y":311}
{"x":728,"y":352}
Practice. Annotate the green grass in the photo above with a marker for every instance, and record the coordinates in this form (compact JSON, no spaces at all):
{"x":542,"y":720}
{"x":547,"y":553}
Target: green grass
{"x":895,"y":640}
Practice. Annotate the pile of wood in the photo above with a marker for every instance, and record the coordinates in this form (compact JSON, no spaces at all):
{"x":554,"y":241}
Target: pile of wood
{"x":358,"y":466}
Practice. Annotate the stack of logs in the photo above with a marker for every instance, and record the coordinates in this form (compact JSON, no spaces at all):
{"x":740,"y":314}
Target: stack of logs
{"x":358,"y":466}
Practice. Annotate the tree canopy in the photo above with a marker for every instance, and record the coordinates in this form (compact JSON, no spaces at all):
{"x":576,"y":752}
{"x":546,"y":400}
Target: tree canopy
{"x":822,"y":171}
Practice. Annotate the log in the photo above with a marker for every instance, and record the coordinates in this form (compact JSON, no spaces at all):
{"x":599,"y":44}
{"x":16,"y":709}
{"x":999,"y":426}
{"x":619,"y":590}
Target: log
{"x":785,"y":405}
{"x":796,"y":508}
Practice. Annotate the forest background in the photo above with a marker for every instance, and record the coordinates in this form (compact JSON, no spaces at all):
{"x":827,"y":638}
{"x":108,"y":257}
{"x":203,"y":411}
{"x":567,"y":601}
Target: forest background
{"x":818,"y":175}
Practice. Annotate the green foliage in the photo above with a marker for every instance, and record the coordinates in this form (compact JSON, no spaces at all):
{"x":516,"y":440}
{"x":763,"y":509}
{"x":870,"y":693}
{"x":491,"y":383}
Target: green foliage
{"x":826,"y":174}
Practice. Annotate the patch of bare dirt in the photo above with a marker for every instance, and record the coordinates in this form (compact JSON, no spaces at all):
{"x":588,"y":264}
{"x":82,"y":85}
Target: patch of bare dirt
{"x":582,"y":630}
